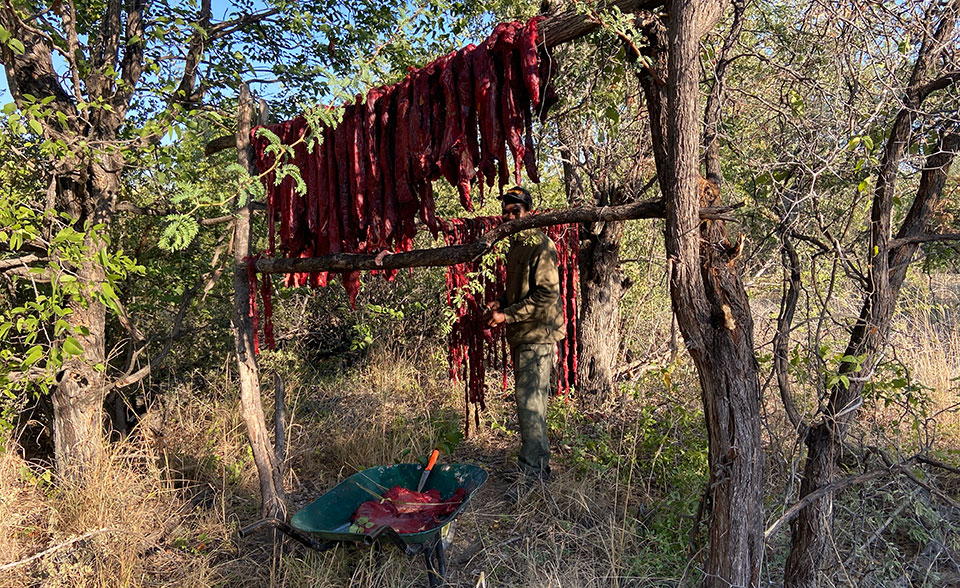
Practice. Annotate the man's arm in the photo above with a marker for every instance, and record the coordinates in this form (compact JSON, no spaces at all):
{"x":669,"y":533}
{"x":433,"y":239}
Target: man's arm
{"x":545,"y":289}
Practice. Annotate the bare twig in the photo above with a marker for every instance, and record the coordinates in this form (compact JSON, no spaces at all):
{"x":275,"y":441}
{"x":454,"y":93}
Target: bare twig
{"x":58,"y":547}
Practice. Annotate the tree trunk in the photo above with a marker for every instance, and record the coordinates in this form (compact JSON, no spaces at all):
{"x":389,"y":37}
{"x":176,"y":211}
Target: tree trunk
{"x":711,"y":307}
{"x":272,"y":496}
{"x":78,"y":397}
{"x":600,"y":292}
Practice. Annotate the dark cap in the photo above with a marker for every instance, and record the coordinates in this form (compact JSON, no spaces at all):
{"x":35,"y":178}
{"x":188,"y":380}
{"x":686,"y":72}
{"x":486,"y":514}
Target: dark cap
{"x":518,"y":195}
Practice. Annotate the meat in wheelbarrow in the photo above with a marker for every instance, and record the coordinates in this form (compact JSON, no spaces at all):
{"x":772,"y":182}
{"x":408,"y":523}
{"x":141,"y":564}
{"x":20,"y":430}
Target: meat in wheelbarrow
{"x":406,"y":511}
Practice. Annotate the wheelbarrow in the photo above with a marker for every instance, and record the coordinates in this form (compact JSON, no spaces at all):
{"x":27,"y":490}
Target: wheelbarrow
{"x":325,"y":522}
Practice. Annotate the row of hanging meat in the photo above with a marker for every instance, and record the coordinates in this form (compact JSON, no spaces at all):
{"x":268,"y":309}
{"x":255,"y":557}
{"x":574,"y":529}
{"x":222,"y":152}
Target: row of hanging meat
{"x":370,"y":177}
{"x":473,"y":347}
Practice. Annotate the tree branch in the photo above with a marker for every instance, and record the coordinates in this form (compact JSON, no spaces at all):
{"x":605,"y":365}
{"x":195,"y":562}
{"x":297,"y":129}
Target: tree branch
{"x":185,"y":93}
{"x":22,"y":261}
{"x":220,"y":144}
{"x":924,"y":239}
{"x":561,"y":28}
{"x":938,"y":84}
{"x":228,"y":27}
{"x":131,"y":67}
{"x":443,"y":256}
{"x":711,"y":154}
{"x":791,"y":513}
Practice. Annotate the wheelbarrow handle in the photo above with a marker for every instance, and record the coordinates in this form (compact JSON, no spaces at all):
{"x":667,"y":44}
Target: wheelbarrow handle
{"x":289,"y":531}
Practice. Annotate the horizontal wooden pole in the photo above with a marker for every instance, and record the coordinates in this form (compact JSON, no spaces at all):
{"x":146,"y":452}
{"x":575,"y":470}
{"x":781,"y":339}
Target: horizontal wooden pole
{"x":453,"y":254}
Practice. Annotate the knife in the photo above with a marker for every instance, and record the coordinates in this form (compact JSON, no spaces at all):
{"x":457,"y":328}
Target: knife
{"x":426,"y":470}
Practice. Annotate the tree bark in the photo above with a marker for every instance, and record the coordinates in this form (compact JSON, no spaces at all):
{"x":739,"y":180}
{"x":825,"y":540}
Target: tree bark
{"x":79,"y":394}
{"x":711,"y":307}
{"x":272,"y":496}
{"x":601,"y":288}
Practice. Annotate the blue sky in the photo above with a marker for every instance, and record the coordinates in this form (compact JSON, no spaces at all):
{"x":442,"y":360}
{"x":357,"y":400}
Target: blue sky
{"x":221,"y":10}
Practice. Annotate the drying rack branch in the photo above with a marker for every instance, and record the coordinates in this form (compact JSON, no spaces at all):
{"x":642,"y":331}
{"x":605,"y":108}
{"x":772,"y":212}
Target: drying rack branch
{"x":454,"y":254}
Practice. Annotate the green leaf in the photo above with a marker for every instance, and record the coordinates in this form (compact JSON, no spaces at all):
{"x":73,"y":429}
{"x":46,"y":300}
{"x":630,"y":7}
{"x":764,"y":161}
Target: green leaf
{"x":36,"y":126}
{"x":16,"y":46}
{"x":72,"y":347}
{"x":34,"y":354}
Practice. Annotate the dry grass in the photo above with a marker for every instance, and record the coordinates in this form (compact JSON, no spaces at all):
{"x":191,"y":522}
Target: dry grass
{"x":164,"y":507}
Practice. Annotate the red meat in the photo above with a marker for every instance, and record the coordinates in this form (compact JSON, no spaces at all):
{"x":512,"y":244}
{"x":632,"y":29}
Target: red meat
{"x":401,"y":153}
{"x":511,"y":92}
{"x":406,"y":511}
{"x":487,"y":100}
{"x":452,"y":142}
{"x":530,"y":60}
{"x":333,"y":191}
{"x":419,"y":123}
{"x":358,"y":168}
{"x":386,"y":113}
{"x":374,"y":188}
{"x":348,"y":222}
{"x":437,"y":111}
{"x":322,"y":231}
{"x":470,"y":153}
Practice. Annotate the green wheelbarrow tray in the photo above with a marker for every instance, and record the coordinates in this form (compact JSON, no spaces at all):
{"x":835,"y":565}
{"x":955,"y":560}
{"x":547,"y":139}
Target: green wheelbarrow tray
{"x":328,"y":517}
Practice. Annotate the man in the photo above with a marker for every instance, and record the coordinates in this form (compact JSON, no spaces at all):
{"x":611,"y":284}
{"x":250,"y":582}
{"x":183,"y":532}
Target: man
{"x":531,"y":309}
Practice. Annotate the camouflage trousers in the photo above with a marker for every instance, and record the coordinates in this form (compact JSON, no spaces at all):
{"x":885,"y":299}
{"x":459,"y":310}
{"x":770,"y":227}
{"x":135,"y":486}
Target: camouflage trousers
{"x":533,"y":366}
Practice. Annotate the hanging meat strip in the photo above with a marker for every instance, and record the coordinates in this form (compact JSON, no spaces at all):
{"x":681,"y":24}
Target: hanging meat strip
{"x":265,"y":163}
{"x":452,"y":142}
{"x":401,"y":154}
{"x":374,"y":189}
{"x":358,"y":169}
{"x":387,"y":113}
{"x":423,"y":149}
{"x":487,"y":101}
{"x":333,"y":191}
{"x":512,"y":91}
{"x":348,"y":221}
{"x":529,"y":60}
{"x":470,"y":151}
{"x":419,"y":122}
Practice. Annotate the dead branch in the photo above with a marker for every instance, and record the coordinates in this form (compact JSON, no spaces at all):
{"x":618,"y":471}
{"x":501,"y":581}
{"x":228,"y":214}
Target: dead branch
{"x":57,"y":547}
{"x":444,"y":256}
{"x":789,"y":514}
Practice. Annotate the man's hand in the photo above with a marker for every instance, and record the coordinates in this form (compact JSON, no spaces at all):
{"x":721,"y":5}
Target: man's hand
{"x":495,"y":317}
{"x":493,"y":305}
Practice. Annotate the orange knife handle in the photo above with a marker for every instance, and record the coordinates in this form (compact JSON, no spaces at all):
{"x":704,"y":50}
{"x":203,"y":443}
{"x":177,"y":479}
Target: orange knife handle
{"x":433,"y":459}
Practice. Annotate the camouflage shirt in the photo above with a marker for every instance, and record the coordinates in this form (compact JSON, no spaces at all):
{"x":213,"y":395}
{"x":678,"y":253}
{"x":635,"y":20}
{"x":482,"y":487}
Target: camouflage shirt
{"x":531,"y":303}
